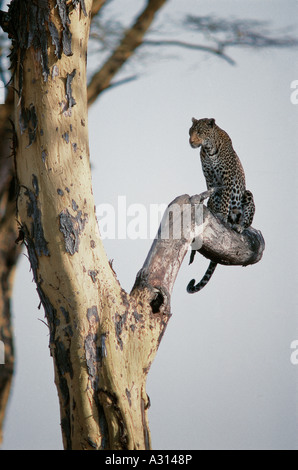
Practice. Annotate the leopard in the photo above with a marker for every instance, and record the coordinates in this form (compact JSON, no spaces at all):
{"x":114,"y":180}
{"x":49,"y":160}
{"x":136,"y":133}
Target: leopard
{"x":230,"y":201}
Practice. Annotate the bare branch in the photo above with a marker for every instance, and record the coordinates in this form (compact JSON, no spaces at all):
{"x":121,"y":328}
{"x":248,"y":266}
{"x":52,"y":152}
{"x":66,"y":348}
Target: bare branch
{"x":239,"y":32}
{"x":198,"y":47}
{"x":131,"y":40}
{"x":217,"y":35}
{"x":96,"y":6}
{"x":121,"y":82}
{"x":218,"y":242}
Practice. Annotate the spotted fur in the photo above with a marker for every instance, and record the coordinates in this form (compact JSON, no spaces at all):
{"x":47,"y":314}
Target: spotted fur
{"x":231,"y":201}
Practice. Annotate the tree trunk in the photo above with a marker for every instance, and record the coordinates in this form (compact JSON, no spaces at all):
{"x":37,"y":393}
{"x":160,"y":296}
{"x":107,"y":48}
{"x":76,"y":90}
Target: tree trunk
{"x":102,"y":339}
{"x":9,"y":250}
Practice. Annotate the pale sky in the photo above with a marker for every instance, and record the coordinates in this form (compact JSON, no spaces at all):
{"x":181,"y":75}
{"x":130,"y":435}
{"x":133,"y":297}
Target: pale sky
{"x":222,"y":378}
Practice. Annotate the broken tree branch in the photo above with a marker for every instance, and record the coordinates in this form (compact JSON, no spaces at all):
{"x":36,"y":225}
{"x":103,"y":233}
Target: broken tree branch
{"x":188,"y":223}
{"x":220,"y":243}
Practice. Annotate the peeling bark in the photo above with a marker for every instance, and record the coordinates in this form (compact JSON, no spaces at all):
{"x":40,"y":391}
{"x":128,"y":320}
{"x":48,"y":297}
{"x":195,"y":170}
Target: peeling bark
{"x":72,"y":227}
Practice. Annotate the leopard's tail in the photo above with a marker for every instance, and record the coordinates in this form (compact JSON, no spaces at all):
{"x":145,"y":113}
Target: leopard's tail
{"x":192,"y":288}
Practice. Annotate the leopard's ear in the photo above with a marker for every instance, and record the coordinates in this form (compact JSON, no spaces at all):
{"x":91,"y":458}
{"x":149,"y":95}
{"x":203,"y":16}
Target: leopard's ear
{"x":194,"y":120}
{"x":211,"y":122}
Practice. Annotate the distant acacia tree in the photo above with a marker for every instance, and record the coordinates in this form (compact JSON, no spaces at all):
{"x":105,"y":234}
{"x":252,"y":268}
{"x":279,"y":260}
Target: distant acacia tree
{"x":102,"y":339}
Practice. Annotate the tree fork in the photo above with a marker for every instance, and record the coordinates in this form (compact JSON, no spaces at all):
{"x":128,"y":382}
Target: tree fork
{"x":102,"y":340}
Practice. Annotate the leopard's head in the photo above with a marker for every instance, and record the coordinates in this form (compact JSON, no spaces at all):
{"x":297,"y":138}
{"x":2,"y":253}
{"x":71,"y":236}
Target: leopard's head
{"x":202,"y":133}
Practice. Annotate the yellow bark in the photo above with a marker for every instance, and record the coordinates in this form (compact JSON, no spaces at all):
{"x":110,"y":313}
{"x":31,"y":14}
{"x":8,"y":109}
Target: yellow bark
{"x":102,"y":340}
